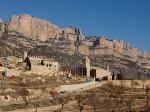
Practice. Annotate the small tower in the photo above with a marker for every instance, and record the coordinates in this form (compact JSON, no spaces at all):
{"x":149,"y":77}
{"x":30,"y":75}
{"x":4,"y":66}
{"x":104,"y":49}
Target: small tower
{"x":86,"y":66}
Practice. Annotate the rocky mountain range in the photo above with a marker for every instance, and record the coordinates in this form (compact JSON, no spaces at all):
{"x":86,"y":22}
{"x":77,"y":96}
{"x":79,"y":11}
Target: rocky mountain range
{"x":28,"y":32}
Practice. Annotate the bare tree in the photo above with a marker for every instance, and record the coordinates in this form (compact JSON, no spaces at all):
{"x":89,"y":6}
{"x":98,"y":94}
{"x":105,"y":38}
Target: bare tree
{"x":94,"y":99}
{"x":36,"y":105}
{"x":129,"y":104}
{"x":134,"y":85}
{"x":62,"y":101}
{"x":147,"y":90}
{"x":115,"y":100}
{"x":24,"y":93}
{"x":54,"y":95}
{"x":80,"y":100}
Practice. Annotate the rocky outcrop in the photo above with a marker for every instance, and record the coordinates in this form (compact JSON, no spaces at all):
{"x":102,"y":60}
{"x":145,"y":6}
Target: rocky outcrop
{"x":40,"y":29}
{"x":104,"y":46}
{"x":32,"y":27}
{"x":71,"y":34}
{"x":84,"y":50}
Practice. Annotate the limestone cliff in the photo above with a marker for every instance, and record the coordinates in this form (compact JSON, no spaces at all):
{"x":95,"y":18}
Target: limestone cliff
{"x":32,"y":27}
{"x":40,"y":29}
{"x":117,"y":46}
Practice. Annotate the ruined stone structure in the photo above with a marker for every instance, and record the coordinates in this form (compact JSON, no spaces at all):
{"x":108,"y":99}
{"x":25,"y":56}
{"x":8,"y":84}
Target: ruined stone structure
{"x":43,"y":66}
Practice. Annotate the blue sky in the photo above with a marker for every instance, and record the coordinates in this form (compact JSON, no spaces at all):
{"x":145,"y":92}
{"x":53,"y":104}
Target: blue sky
{"x":127,"y":20}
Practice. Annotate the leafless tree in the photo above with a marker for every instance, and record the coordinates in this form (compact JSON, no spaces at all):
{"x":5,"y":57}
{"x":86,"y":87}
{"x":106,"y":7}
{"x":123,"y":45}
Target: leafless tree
{"x":54,"y":95}
{"x":134,"y":84}
{"x":129,"y":104}
{"x":36,"y":105}
{"x":116,"y":100}
{"x":91,"y":98}
{"x":62,"y":99}
{"x":80,"y":100}
{"x":95,"y":101}
{"x":147,"y":90}
{"x":24,"y":93}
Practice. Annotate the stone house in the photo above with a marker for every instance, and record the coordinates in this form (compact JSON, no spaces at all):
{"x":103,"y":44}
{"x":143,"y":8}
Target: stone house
{"x":100,"y":74}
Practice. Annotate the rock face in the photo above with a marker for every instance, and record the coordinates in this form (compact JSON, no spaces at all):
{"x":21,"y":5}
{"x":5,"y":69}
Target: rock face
{"x":104,"y":46}
{"x":71,"y":34}
{"x":40,"y":29}
{"x":32,"y":27}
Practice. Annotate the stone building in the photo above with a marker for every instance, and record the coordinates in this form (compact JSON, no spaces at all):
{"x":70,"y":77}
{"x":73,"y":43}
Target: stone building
{"x":43,"y":66}
{"x":100,"y":74}
{"x":96,"y":73}
{"x":51,"y":64}
{"x":86,"y":66}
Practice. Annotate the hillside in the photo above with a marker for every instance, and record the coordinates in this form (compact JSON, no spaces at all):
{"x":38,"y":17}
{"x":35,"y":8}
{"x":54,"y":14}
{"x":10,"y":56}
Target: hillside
{"x":69,"y":46}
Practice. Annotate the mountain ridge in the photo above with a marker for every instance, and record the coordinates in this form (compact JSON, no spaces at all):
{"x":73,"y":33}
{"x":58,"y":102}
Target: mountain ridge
{"x":72,"y":41}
